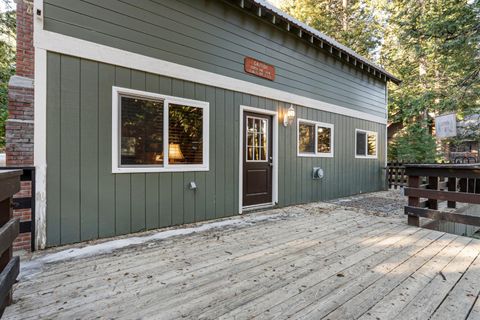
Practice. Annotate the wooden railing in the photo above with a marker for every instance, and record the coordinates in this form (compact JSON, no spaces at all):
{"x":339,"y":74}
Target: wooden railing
{"x":22,"y":201}
{"x":396,"y":177}
{"x":9,"y":228}
{"x":443,"y":182}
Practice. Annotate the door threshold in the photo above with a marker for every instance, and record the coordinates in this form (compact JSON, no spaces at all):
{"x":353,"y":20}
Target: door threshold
{"x":258,"y":206}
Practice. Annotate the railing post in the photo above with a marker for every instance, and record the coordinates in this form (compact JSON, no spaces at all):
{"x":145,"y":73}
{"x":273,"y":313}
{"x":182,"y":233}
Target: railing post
{"x":413,"y":182}
{"x":452,"y":186}
{"x":6,"y":213}
{"x":463,"y":184}
{"x":9,"y":267}
{"x":433,"y":185}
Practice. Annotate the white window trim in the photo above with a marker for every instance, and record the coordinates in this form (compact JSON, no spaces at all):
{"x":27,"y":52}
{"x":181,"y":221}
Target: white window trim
{"x":316,"y":154}
{"x":366,"y":144}
{"x":117,"y":168}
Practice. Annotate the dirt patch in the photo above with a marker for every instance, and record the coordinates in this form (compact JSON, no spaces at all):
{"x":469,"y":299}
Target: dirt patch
{"x":386,"y":203}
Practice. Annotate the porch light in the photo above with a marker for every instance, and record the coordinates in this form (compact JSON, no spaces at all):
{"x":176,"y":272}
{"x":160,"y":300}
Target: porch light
{"x":289,"y":116}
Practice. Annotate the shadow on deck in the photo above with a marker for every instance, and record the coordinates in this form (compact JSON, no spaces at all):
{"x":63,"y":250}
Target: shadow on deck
{"x":312,"y":262}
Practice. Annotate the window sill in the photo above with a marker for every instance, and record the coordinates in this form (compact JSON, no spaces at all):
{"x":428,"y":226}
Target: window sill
{"x":366,"y":157}
{"x":179,"y":168}
{"x":317,"y":155}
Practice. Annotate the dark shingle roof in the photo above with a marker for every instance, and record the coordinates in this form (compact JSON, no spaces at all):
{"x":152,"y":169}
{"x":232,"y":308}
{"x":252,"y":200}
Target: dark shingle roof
{"x":276,"y":16}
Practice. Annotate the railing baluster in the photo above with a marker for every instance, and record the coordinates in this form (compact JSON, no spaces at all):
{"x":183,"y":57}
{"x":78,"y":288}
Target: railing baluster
{"x":452,"y":186}
{"x":413,"y":182}
{"x":433,"y":185}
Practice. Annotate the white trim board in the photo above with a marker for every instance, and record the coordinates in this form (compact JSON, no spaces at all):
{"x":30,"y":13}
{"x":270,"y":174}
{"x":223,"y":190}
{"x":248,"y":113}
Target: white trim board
{"x":56,"y":42}
{"x":40,"y":132}
{"x":274,"y":115}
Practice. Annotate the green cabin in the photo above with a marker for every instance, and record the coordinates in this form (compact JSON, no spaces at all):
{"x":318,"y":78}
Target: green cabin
{"x":154,"y":113}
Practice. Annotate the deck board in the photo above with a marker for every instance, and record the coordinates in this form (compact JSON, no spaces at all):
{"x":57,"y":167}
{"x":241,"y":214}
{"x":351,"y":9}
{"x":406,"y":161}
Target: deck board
{"x":307,"y":262}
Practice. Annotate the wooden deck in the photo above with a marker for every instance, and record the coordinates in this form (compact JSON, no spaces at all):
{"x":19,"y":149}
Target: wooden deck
{"x":318,"y":263}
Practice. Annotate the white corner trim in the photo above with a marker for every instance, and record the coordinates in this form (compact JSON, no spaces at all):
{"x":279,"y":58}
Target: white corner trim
{"x":274,"y":115}
{"x":117,"y":168}
{"x":316,"y":154}
{"x":40,"y":134}
{"x":56,"y":42}
{"x":366,"y":144}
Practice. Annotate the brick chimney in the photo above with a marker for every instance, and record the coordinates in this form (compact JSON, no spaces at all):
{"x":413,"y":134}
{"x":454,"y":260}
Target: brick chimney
{"x":19,"y":125}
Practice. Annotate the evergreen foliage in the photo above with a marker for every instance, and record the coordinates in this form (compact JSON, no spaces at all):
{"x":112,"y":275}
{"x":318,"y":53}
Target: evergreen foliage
{"x":7,"y":62}
{"x":432,"y":45}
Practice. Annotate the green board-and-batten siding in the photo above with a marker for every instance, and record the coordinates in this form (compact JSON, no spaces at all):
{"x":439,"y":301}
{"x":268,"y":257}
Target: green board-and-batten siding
{"x":86,"y":201}
{"x":214,"y":36}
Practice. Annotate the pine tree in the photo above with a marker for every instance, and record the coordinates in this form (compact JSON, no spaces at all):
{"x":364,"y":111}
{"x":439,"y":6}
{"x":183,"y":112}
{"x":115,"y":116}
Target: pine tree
{"x":7,"y":62}
{"x":354,"y":23}
{"x":433,"y":46}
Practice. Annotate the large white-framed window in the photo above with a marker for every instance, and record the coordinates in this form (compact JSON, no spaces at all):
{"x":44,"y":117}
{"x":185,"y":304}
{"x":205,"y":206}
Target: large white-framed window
{"x":314,"y":139}
{"x":366,"y":144}
{"x":158,"y":133}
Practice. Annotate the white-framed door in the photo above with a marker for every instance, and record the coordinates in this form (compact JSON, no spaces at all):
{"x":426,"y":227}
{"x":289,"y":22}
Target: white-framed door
{"x":273,"y":143}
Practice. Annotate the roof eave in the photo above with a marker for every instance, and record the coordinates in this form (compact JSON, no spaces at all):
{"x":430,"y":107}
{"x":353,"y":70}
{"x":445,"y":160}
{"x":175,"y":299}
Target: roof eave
{"x":279,"y":18}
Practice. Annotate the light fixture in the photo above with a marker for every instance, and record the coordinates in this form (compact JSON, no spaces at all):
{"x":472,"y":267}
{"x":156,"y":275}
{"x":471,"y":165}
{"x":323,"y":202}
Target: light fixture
{"x":175,"y":153}
{"x":289,"y":116}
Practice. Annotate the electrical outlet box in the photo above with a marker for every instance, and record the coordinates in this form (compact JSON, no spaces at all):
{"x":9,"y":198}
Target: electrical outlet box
{"x":317,"y":173}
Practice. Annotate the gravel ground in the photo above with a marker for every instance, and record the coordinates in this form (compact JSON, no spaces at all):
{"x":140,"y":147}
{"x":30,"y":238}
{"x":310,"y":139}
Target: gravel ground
{"x":384,"y":203}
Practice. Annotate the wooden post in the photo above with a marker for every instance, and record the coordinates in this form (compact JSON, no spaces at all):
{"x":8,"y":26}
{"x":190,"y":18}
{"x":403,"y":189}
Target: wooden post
{"x":452,"y":186}
{"x":433,"y":185}
{"x":6,"y":214}
{"x":9,"y":267}
{"x":463,"y":184}
{"x":413,"y":182}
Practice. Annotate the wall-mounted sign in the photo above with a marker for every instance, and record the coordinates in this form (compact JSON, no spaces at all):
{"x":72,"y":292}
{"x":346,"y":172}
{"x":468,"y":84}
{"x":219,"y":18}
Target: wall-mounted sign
{"x":259,"y":68}
{"x":446,"y":126}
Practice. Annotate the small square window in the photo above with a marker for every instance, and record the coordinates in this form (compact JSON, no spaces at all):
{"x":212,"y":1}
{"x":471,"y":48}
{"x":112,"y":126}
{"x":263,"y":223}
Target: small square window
{"x":365,"y":144}
{"x":315,"y":139}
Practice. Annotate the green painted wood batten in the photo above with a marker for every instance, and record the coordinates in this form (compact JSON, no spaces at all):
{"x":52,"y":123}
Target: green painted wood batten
{"x":86,"y":201}
{"x":214,"y":36}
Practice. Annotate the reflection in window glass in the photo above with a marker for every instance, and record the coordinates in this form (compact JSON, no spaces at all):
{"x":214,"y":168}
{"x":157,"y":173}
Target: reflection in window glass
{"x":257,"y":139}
{"x":306,"y":138}
{"x":372,"y":144}
{"x":185,"y":130}
{"x":361,"y":143}
{"x":324,"y":137}
{"x":141,"y":131}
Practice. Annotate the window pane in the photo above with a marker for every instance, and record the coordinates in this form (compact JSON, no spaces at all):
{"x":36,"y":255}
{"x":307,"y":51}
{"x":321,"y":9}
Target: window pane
{"x":185,"y":130}
{"x":256,"y":139}
{"x":306,"y":138}
{"x":361,"y":143}
{"x":141,"y":131}
{"x":372,"y":144}
{"x":250,"y":153}
{"x":250,"y":139}
{"x":323,"y":143}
